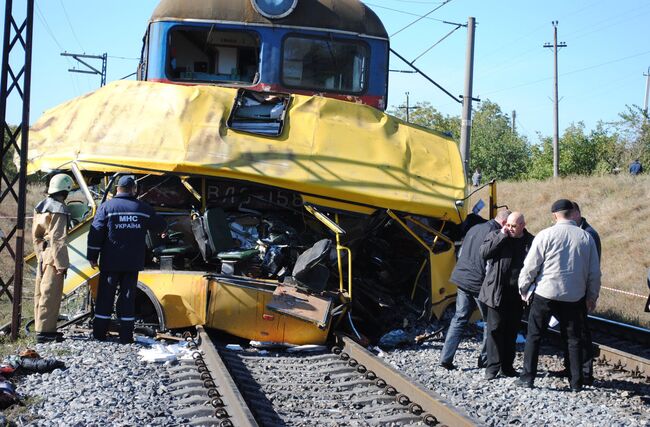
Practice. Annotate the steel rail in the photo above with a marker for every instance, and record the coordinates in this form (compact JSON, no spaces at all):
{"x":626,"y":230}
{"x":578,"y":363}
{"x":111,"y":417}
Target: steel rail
{"x":618,"y":359}
{"x":414,"y":394}
{"x":234,"y":403}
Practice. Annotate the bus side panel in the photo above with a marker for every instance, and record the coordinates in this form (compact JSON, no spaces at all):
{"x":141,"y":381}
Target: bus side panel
{"x":182,"y":295}
{"x":241,"y":311}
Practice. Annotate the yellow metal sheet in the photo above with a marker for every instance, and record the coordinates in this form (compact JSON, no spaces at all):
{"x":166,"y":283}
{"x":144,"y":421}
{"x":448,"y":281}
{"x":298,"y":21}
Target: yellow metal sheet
{"x":330,"y":148}
{"x":241,"y":310}
{"x":182,"y":294}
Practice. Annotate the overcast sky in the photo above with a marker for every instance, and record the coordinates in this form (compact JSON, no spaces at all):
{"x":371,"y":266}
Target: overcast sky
{"x":601,"y":70}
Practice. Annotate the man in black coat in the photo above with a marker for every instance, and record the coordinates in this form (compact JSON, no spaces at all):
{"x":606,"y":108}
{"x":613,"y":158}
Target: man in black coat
{"x":468,"y":276}
{"x":505,"y":251}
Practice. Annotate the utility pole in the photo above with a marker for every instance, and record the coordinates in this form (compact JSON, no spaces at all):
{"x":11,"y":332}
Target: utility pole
{"x":514,"y":121}
{"x":408,"y":108}
{"x":466,"y":123}
{"x":15,"y":88}
{"x":556,"y":126}
{"x":647,"y":94}
{"x":90,"y":69}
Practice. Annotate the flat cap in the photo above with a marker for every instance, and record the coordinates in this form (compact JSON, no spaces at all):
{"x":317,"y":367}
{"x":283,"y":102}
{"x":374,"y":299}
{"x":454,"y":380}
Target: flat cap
{"x":561,"y":205}
{"x":126,"y":181}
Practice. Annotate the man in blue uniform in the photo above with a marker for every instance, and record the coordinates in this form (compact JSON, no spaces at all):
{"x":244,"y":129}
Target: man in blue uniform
{"x":117,"y":239}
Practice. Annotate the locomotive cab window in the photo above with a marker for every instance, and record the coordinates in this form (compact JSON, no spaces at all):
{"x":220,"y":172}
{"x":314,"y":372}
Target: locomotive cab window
{"x":332,"y":65}
{"x":209,"y":55}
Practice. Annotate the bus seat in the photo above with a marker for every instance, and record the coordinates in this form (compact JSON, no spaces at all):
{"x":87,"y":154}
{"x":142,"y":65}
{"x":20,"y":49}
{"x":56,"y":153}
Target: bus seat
{"x":212,"y":232}
{"x":309,"y":272}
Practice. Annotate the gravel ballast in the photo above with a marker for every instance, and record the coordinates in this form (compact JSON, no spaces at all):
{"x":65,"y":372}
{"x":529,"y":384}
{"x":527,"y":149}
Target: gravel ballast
{"x":615,"y":399}
{"x":106,"y":384}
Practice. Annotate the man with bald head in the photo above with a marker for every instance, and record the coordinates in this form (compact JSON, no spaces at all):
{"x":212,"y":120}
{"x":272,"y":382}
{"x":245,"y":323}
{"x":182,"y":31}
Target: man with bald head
{"x":505,"y":251}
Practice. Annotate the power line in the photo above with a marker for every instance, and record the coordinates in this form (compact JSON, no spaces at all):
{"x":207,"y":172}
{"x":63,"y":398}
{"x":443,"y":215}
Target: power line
{"x":436,"y":43}
{"x":47,"y":27}
{"x":404,"y":13}
{"x":67,"y":18}
{"x":420,"y":18}
{"x":123,"y":57}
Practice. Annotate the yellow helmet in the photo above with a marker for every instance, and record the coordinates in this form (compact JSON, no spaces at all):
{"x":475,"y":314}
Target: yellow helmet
{"x":60,"y":182}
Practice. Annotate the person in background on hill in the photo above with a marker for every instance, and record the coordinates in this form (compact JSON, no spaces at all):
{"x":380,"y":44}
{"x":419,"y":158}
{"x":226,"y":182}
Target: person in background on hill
{"x":635,"y":167}
{"x":49,"y":231}
{"x":476,"y":178}
{"x":468,"y":277}
{"x":505,"y":251}
{"x":562,"y":275}
{"x":117,"y":240}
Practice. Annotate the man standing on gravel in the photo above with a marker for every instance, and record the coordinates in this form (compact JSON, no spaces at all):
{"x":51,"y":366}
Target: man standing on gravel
{"x":586,"y":344}
{"x":562,"y":274}
{"x":49,"y":231}
{"x":117,"y":239}
{"x":468,"y":277}
{"x":505,"y":251}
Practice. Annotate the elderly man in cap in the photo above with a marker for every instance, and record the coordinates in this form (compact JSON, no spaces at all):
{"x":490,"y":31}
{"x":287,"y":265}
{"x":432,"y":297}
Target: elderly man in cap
{"x":116,"y":243}
{"x":562,"y":274}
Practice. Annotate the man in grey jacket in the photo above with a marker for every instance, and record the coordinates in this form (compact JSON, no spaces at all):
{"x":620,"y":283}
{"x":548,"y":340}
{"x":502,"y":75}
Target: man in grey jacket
{"x":561,"y":270}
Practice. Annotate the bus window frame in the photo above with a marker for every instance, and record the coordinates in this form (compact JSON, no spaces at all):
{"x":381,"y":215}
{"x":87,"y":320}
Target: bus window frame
{"x":167,"y":59}
{"x":328,"y":37}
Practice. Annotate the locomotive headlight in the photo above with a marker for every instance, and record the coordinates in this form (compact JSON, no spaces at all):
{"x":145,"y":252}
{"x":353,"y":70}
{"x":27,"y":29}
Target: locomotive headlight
{"x":274,"y":9}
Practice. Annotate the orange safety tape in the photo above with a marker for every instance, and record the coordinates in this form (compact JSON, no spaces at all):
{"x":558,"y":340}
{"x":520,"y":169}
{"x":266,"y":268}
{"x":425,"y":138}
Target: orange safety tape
{"x":624,"y":292}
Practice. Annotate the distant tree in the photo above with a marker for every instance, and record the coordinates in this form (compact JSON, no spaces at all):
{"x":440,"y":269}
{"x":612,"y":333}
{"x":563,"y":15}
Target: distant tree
{"x":426,"y":115}
{"x":495,"y":147}
{"x":580,"y":154}
{"x":634,"y":130}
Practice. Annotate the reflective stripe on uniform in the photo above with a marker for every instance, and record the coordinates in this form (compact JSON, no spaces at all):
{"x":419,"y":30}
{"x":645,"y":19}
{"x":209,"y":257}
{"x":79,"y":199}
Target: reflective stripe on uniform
{"x":127,"y":319}
{"x":95,"y":248}
{"x":101,"y":316}
{"x":128,"y":213}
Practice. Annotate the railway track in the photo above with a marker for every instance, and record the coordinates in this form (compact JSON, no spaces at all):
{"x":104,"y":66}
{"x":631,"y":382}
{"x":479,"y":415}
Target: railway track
{"x":345,"y":386}
{"x":622,"y":347}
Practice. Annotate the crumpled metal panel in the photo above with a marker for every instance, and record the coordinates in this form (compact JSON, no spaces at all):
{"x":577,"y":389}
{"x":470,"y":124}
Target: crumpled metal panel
{"x":329,"y":148}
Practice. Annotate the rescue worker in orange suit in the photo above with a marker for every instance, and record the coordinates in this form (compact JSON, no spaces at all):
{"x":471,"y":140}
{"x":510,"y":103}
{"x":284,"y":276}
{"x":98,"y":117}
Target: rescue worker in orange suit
{"x":116,"y":243}
{"x":49,"y":230}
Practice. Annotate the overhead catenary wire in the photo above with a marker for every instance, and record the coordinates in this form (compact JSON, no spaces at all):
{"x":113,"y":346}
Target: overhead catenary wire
{"x":67,"y":18}
{"x":41,"y":17}
{"x":436,"y":43}
{"x":404,"y":12}
{"x":419,"y":18}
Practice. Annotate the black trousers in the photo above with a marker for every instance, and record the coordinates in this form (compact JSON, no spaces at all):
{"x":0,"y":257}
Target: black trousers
{"x":570,"y":315}
{"x":587,"y":349}
{"x":123,"y":282}
{"x":502,"y":327}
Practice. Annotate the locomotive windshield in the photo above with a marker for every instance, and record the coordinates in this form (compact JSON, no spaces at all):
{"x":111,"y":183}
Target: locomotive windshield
{"x":324,"y":64}
{"x":210,"y":55}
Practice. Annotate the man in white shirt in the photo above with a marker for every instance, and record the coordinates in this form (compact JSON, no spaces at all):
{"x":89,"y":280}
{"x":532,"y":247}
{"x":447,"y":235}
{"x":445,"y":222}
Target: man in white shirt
{"x":563,"y":268}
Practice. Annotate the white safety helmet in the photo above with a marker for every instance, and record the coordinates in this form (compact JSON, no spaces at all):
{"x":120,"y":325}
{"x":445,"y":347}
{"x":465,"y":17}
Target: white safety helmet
{"x":60,"y":182}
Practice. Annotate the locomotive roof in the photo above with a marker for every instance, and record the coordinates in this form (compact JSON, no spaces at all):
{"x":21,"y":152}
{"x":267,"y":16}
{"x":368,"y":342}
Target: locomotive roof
{"x":340,"y":15}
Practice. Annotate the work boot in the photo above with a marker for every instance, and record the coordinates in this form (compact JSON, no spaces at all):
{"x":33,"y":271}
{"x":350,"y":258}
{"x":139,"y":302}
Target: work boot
{"x":45,"y":337}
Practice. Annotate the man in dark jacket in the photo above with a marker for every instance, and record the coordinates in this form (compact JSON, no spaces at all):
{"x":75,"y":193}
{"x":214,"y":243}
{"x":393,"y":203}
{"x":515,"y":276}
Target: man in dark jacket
{"x":468,"y":276}
{"x":117,"y":239}
{"x":505,"y":251}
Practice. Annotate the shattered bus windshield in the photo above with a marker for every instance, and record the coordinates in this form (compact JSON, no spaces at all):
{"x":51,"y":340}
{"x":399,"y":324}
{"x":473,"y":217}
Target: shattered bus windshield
{"x":324,"y":64}
{"x":208,"y":55}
